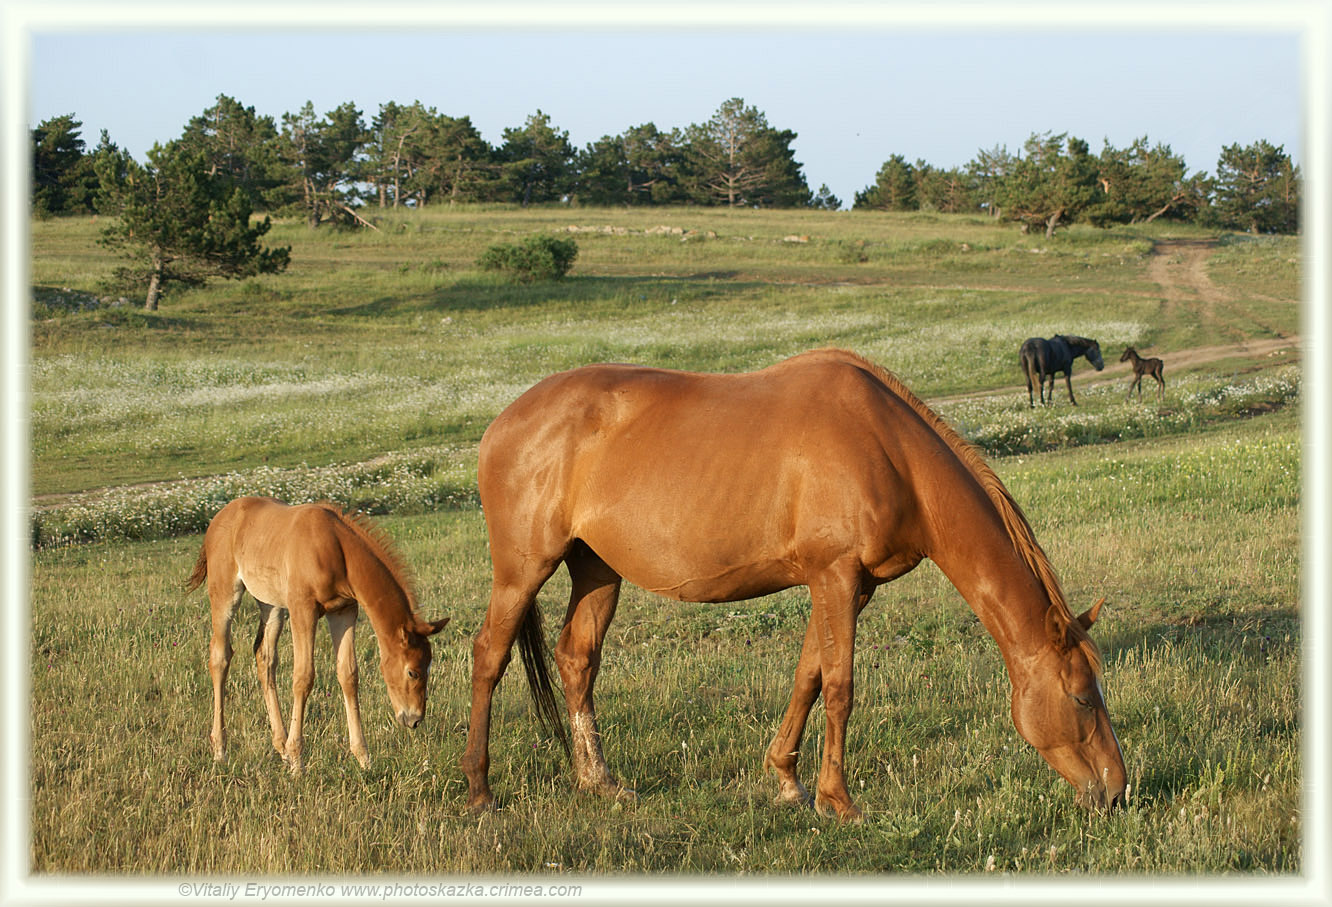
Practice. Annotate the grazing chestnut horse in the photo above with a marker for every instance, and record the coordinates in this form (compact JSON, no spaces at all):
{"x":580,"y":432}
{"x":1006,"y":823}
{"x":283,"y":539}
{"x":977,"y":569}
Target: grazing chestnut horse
{"x":308,"y":562}
{"x":1044,"y":359}
{"x":1141,"y":366}
{"x":822,"y":470}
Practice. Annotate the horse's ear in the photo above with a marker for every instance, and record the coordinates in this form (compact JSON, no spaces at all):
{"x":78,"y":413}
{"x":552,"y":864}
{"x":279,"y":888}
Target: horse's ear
{"x":1088,"y":617}
{"x":1056,"y":628}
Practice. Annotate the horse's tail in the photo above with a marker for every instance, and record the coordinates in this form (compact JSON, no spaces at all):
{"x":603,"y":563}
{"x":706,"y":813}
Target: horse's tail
{"x":536,"y":664}
{"x":1030,"y":368}
{"x":200,"y":571}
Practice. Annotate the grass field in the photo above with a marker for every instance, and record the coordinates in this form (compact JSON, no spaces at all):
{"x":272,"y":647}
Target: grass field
{"x":367,"y":374}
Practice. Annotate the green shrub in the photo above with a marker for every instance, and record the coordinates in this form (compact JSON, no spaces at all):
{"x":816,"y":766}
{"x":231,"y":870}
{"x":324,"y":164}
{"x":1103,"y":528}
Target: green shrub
{"x":539,"y":257}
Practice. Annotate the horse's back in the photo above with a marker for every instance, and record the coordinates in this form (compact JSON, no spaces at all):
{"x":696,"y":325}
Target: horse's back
{"x":698,"y":486}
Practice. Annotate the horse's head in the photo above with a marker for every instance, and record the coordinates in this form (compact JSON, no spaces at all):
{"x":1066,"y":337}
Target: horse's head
{"x":1094,"y":355}
{"x":1058,"y":708}
{"x":1129,"y":353}
{"x":405,"y":663}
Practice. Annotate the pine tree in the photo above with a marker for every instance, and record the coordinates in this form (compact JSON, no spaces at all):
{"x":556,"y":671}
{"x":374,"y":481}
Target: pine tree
{"x":180,"y":223}
{"x":1257,"y":189}
{"x":536,"y":162}
{"x":738,"y":160}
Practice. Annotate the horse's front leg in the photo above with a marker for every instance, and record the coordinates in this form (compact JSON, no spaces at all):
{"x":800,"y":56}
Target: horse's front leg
{"x":836,"y":596}
{"x":342,"y":627}
{"x":303,"y":619}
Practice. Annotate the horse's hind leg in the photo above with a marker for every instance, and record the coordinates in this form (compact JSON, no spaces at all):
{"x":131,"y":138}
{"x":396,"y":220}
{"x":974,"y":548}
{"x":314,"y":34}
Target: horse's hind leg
{"x":784,"y":751}
{"x":342,"y":627}
{"x":512,"y":593}
{"x":224,"y":594}
{"x":592,"y":601}
{"x":271,"y":620}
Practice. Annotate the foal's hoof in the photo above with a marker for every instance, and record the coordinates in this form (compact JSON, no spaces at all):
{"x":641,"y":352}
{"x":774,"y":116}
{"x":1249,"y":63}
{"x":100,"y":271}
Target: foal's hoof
{"x":481,"y":804}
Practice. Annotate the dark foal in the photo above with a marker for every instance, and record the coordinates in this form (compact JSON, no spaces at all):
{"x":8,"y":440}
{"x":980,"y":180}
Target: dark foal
{"x":1142,"y":367}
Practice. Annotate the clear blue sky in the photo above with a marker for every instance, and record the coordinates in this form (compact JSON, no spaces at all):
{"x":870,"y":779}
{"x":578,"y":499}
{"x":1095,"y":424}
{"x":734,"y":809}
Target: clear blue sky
{"x":855,"y":91}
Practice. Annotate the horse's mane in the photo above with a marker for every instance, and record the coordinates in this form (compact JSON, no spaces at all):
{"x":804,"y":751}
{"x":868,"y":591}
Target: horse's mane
{"x":1015,"y":521}
{"x":379,"y":543}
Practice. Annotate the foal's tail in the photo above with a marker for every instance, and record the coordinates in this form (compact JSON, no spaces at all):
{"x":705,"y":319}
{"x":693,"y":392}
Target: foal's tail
{"x":200,"y":572}
{"x":536,"y":664}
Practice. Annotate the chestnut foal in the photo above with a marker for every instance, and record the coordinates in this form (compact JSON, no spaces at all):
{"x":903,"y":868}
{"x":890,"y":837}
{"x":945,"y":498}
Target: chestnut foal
{"x":311,"y":561}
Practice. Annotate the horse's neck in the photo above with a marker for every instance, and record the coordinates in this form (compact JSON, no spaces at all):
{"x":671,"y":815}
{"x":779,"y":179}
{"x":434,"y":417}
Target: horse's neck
{"x":981,"y":560}
{"x":374,"y":586}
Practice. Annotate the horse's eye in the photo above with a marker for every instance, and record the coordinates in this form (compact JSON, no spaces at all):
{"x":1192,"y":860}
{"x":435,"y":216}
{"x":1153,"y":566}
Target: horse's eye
{"x":1085,"y":703}
{"x":412,"y":674}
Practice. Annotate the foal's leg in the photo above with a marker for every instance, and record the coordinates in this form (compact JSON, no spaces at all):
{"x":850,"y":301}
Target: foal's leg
{"x":512,"y":593}
{"x":342,"y":627}
{"x":224,"y":594}
{"x":271,"y":620}
{"x":836,"y":598}
{"x":784,"y":751}
{"x":592,"y":601}
{"x":304,"y":618}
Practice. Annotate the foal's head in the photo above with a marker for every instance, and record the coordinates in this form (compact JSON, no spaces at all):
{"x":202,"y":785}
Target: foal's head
{"x":1058,"y":708}
{"x":405,"y":662}
{"x":1129,"y":353}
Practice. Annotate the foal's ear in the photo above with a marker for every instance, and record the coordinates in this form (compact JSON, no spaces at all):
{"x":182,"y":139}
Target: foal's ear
{"x":1088,"y":617}
{"x":431,"y":627}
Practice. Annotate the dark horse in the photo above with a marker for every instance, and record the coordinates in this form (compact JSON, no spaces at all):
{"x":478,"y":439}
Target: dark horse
{"x":1141,"y":366}
{"x":822,"y":471}
{"x":1043,"y":359}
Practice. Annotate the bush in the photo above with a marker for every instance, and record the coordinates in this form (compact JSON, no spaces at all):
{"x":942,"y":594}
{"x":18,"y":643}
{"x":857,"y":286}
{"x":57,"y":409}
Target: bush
{"x":537,"y":257}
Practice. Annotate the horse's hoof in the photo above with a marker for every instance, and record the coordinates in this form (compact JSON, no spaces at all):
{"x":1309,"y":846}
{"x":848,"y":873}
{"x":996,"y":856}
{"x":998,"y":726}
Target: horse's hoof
{"x":848,"y":814}
{"x":793,"y":793}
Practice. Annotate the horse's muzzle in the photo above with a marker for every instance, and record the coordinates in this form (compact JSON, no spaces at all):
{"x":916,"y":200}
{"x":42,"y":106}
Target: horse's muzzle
{"x":1101,"y":798}
{"x":410,"y":719}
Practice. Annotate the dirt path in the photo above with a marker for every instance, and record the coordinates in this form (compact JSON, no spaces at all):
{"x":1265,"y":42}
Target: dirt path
{"x":1180,"y":268}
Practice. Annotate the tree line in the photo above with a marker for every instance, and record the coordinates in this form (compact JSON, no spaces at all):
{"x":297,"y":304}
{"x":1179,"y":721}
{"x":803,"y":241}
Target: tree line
{"x":331,"y":167}
{"x":1055,"y":180}
{"x":328,"y":167}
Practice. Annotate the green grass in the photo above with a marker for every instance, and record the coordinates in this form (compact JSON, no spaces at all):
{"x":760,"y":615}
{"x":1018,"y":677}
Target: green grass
{"x":367,"y":373}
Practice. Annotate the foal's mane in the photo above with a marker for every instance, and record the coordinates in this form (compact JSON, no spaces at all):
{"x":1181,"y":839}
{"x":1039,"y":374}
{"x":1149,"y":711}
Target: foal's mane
{"x":380,"y":545}
{"x":1015,"y":521}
